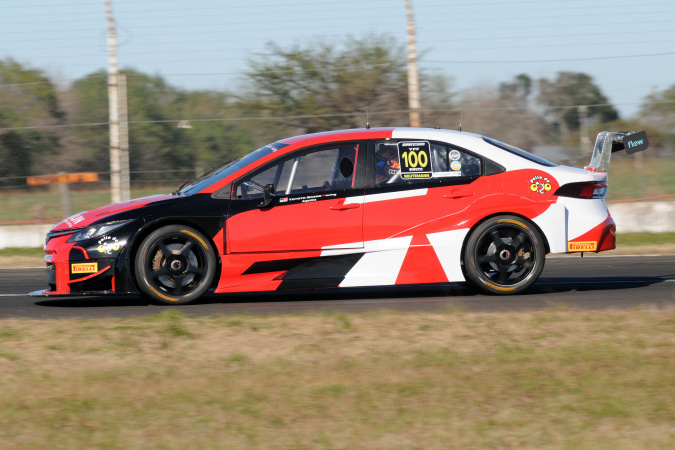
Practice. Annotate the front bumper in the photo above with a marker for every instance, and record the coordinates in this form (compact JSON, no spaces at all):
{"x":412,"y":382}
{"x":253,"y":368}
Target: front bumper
{"x":71,"y":270}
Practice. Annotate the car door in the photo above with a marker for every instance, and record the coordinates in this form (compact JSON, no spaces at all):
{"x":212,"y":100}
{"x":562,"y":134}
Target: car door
{"x":307,"y":209}
{"x":415,"y":195}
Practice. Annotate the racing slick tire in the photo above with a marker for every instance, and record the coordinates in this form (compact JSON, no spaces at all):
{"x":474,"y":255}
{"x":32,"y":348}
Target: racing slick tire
{"x":175,"y":265}
{"x":504,"y":255}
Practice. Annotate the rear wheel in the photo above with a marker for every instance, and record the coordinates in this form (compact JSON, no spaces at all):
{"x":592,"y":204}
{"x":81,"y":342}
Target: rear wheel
{"x":504,"y":255}
{"x":175,"y":265}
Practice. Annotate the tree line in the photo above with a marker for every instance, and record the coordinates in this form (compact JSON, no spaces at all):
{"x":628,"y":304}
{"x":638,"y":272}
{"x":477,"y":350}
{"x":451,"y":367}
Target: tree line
{"x":47,"y":128}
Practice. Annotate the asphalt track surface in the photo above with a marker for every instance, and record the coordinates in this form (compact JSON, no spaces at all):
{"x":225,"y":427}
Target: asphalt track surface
{"x":592,"y":282}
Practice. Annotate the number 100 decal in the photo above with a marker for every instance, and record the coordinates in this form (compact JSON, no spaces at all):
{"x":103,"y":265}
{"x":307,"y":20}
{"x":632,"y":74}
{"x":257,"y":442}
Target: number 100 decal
{"x":415,"y":159}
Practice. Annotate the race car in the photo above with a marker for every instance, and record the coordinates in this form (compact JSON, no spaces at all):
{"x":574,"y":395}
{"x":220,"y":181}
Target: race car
{"x":340,"y":209}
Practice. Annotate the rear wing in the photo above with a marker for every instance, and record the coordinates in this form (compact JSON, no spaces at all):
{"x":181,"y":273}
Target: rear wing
{"x":609,"y":142}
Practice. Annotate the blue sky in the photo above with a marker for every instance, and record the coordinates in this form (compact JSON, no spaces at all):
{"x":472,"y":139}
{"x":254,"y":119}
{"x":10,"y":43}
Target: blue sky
{"x":626,"y":45}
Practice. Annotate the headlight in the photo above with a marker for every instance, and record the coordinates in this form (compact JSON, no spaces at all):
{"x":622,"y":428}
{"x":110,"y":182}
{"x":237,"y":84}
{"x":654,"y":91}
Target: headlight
{"x":97,"y":230}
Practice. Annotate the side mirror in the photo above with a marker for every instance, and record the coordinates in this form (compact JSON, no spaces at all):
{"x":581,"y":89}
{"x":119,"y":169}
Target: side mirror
{"x":268,"y":190}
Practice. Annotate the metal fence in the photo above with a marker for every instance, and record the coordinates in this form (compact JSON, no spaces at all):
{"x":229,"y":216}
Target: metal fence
{"x":24,"y":203}
{"x":645,"y":175}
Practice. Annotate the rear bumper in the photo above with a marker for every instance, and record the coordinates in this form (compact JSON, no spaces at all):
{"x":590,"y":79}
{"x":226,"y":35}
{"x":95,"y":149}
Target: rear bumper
{"x":600,"y":238}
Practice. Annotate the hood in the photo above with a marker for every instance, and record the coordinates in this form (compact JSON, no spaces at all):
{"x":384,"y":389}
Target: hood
{"x":86,"y":218}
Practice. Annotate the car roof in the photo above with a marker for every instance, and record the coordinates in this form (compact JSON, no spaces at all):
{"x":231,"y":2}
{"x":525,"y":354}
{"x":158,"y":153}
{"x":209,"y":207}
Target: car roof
{"x":328,"y":136}
{"x":470,"y":141}
{"x":463,"y":139}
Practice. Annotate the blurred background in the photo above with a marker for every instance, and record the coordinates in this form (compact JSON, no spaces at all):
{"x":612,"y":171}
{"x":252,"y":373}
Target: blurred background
{"x":208,"y":81}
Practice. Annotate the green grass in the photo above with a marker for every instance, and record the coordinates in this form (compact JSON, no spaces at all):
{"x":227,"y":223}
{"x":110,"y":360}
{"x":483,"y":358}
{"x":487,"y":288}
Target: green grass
{"x":636,"y":239}
{"x":628,"y":179}
{"x":18,"y":251}
{"x":16,"y":206}
{"x":547,"y":380}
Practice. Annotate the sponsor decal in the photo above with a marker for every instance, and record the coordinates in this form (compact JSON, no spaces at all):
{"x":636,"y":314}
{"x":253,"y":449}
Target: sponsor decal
{"x":446,"y":174}
{"x":540,"y":184}
{"x":108,"y":244}
{"x":72,"y":221}
{"x":585,"y":246}
{"x":308,"y":198}
{"x":455,"y":165}
{"x":454,"y":155}
{"x":635,"y":142}
{"x":415,"y":159}
{"x":84,"y":268}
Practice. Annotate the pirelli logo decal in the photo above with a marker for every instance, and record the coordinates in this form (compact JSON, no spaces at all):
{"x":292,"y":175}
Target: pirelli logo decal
{"x":587,"y":246}
{"x":84,"y":268}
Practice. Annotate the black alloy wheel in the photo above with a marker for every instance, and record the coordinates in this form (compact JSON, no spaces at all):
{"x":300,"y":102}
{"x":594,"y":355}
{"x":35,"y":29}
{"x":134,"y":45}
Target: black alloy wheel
{"x":504,"y":255}
{"x":175,"y":264}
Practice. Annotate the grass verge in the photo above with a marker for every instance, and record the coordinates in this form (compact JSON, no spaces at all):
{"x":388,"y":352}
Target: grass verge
{"x":550,"y":379}
{"x":37,"y":252}
{"x":636,"y":239}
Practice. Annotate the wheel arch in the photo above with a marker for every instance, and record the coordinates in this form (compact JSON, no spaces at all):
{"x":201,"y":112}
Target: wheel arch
{"x":501,"y":213}
{"x":150,"y":227}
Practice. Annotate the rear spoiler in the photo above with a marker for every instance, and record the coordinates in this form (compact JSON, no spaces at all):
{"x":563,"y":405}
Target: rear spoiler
{"x":609,"y":142}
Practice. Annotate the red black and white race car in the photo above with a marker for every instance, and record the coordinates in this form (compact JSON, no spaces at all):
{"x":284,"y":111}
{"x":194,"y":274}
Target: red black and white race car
{"x":368,"y":207}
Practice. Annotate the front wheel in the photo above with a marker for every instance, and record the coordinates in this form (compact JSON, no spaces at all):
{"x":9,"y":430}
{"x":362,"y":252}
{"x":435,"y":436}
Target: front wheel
{"x":504,"y":255}
{"x":175,"y":265}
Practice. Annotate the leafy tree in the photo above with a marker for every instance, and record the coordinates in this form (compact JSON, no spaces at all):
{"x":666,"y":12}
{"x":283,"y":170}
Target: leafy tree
{"x":213,"y":138}
{"x":566,"y":92}
{"x":516,"y":94}
{"x":506,"y":114}
{"x":658,"y":109}
{"x":156,"y":144}
{"x":27,"y":99}
{"x":438,"y":103}
{"x":322,"y":86}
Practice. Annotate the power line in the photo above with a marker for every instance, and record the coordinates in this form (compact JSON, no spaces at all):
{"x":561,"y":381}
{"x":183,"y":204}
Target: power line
{"x":336,"y":21}
{"x":510,"y":47}
{"x":482,"y":14}
{"x":524,"y":61}
{"x":309,"y":116}
{"x":163,"y":2}
{"x":366,"y":66}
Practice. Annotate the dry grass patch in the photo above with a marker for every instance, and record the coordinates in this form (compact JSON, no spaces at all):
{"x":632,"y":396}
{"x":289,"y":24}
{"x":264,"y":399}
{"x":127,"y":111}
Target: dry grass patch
{"x":552,"y":379}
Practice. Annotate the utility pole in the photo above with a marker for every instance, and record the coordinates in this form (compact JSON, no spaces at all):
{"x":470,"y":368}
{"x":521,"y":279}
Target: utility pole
{"x":584,"y":139}
{"x":113,"y":106}
{"x":413,"y":83}
{"x":124,"y":139}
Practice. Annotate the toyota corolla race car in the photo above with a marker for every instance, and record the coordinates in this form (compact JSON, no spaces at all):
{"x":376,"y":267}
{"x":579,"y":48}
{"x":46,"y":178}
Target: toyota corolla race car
{"x":369,"y":207}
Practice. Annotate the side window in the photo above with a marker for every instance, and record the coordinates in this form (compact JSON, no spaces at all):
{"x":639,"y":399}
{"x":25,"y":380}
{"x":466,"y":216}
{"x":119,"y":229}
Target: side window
{"x":415,"y":161}
{"x":324,"y":169}
{"x":387,"y":167}
{"x":277,"y":175}
{"x":450,"y":162}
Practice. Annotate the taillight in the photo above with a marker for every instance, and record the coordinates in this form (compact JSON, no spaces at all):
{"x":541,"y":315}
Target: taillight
{"x":590,"y":189}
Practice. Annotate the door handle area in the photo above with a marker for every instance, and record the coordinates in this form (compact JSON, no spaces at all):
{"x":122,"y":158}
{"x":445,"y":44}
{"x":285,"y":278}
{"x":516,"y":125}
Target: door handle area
{"x":347,"y":206}
{"x":458,"y":193}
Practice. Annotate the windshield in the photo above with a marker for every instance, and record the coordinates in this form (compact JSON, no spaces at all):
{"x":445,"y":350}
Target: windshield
{"x":519,"y":152}
{"x":220,"y":172}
